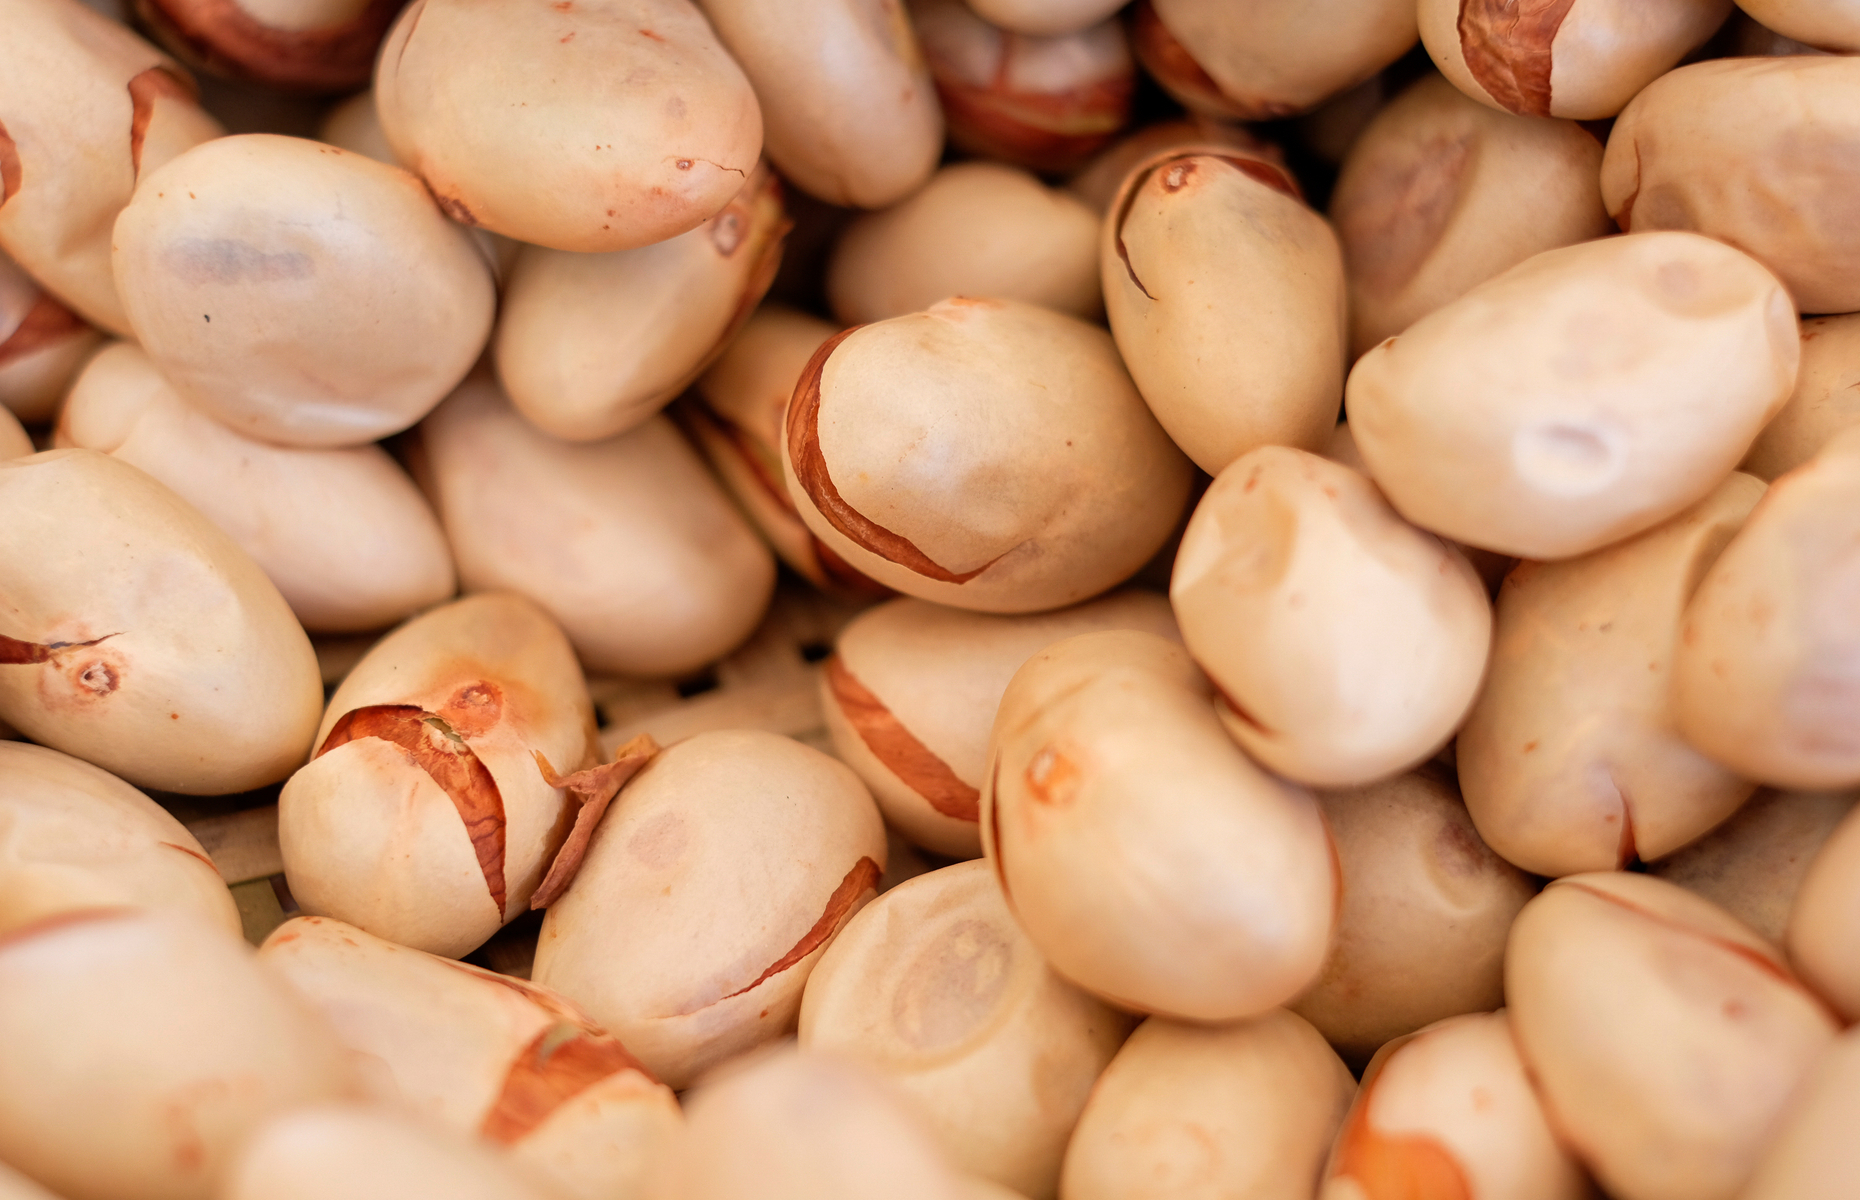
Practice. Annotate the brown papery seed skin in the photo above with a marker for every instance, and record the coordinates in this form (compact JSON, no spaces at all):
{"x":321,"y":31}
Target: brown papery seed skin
{"x":1580,"y":59}
{"x":1814,"y":1155}
{"x":1583,"y":396}
{"x":1439,"y":194}
{"x":1098,"y":182}
{"x":1346,"y":644}
{"x":42,"y":345}
{"x":343,"y":532}
{"x":1825,"y":921}
{"x":911,"y":693}
{"x":86,"y":109}
{"x":1757,"y":152}
{"x":1826,"y":399}
{"x":602,"y":126}
{"x":292,"y":45}
{"x":1047,"y":103}
{"x":78,"y":837}
{"x":802,"y":1125}
{"x":1150,"y":860}
{"x":1821,"y":24}
{"x":1226,"y":296}
{"x":985,"y":454}
{"x":1449,"y":1114}
{"x":1425,"y":910}
{"x":976,"y":229}
{"x":387,"y":302}
{"x":373,"y":1153}
{"x":485,"y":1054}
{"x":849,"y":112}
{"x":1753,"y":865}
{"x":1260,"y":61}
{"x":934,"y":987}
{"x":1665,"y":1038}
{"x":591,"y":345}
{"x":1208,"y":1112}
{"x":1765,"y":681}
{"x":143,"y":1048}
{"x":155,"y":648}
{"x":1570,"y":759}
{"x":423,"y":817}
{"x":598,"y":533}
{"x":708,"y":894}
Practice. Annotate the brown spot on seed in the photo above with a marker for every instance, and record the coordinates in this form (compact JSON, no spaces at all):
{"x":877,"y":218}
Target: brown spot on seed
{"x":1507,"y":49}
{"x":9,"y":166}
{"x":592,"y":790}
{"x":441,"y":752}
{"x":145,"y":89}
{"x":810,"y":470}
{"x":647,"y":33}
{"x":851,"y":892}
{"x":562,"y":1061}
{"x":474,"y":708}
{"x":1052,"y":778}
{"x":898,"y":748}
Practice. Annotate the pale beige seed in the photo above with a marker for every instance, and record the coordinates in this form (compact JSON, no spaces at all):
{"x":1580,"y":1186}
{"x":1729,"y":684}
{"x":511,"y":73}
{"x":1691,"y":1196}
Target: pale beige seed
{"x":1225,"y":293}
{"x":139,"y":637}
{"x":1451,"y":1112}
{"x":1583,"y":396}
{"x":142,"y":1049}
{"x":1753,"y":865}
{"x":1665,"y":1038}
{"x":1425,"y":910}
{"x":1825,"y":920}
{"x":424,"y":816}
{"x":510,"y":1062}
{"x":600,"y":534}
{"x":1046,"y":18}
{"x":1272,"y":59}
{"x":86,"y":109}
{"x":602,"y":126}
{"x":1571,"y":759}
{"x":343,"y":533}
{"x":15,"y":442}
{"x":911,"y":693}
{"x":976,"y":229}
{"x":849,"y":112}
{"x":1766,"y":680}
{"x":1826,"y":399}
{"x":1209,"y":1112}
{"x":1814,"y":1156}
{"x":74,"y":837}
{"x":1345,"y":644}
{"x":14,"y":1186}
{"x":42,"y":345}
{"x":709,"y":895}
{"x":935,"y":988}
{"x":1825,"y":24}
{"x":369,"y":1153}
{"x":1440,"y":194}
{"x":387,"y":303}
{"x":1758,"y":152}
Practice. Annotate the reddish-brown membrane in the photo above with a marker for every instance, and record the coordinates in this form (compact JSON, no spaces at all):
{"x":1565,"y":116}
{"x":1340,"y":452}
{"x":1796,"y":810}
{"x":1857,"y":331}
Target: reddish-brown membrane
{"x":1396,"y":1166}
{"x":439,"y":749}
{"x":14,"y":652}
{"x":857,"y":882}
{"x":145,"y":89}
{"x":1167,"y":59}
{"x":9,"y":165}
{"x":1179,"y":170}
{"x":561,"y":1062}
{"x":46,"y":323}
{"x":810,"y":470}
{"x":225,"y":37}
{"x":1386,"y":243}
{"x":898,"y":748}
{"x":1507,"y":49}
{"x":1048,"y":131}
{"x":593,"y":789}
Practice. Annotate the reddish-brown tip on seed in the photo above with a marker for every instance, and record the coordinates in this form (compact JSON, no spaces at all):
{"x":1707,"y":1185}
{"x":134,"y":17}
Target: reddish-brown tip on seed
{"x":853,"y":887}
{"x":9,"y":166}
{"x":1507,"y":49}
{"x":895,"y":746}
{"x":14,"y":652}
{"x":46,"y":323}
{"x":562,"y":1061}
{"x":594,"y":789}
{"x":144,"y":90}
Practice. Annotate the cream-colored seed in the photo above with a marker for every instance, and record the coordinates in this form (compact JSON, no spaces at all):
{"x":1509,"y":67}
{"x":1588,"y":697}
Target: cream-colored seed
{"x":976,"y":229}
{"x":1208,"y":1112}
{"x":1826,"y":399}
{"x":1570,"y":759}
{"x":1226,"y":296}
{"x":343,"y":533}
{"x":1425,"y":910}
{"x":1825,"y":921}
{"x":1346,"y":645}
{"x":74,"y":837}
{"x":356,"y":1153}
{"x":14,"y":1186}
{"x":1814,"y":1156}
{"x":139,"y":637}
{"x":934,"y":987}
{"x":708,"y":896}
{"x":1579,"y":398}
{"x":423,"y":816}
{"x":1827,"y":24}
{"x":599,"y":534}
{"x":1150,"y":860}
{"x":911,"y":693}
{"x":1046,"y":18}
